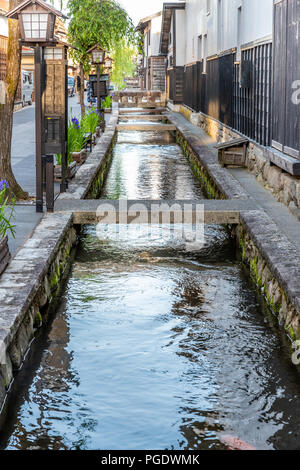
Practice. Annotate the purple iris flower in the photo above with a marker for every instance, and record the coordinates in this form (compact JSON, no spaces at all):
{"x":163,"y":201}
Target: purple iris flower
{"x":4,"y":185}
{"x":75,"y":121}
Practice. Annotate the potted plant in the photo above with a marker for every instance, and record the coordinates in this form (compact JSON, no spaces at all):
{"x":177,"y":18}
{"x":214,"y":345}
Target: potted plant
{"x":73,"y":137}
{"x":76,"y":141}
{"x":6,"y":215}
{"x":107,"y":104}
{"x":90,"y":122}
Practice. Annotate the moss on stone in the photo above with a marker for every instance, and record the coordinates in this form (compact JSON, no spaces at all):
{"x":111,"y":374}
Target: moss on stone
{"x":198,"y":170}
{"x":38,"y":320}
{"x":254,"y":272}
{"x":290,"y":332}
{"x":243,"y":249}
{"x":54,"y":280}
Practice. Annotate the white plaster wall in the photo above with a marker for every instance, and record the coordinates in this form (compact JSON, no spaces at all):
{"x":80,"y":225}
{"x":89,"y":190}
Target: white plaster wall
{"x":3,"y":26}
{"x":155,"y":35}
{"x":256,"y":23}
{"x":180,"y":34}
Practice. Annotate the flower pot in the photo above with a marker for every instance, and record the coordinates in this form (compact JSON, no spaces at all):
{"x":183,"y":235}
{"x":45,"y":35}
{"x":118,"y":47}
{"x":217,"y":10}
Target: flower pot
{"x":80,"y":157}
{"x":71,"y":170}
{"x":77,"y":157}
{"x":57,"y":173}
{"x":83,"y":155}
{"x":5,"y":255}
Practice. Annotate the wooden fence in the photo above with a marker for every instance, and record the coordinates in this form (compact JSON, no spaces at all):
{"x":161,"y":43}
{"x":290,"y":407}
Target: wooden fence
{"x":252,"y":94}
{"x":236,"y":95}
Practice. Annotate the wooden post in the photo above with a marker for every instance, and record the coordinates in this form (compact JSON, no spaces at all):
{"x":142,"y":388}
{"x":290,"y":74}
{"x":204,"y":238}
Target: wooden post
{"x":98,"y":90}
{"x":38,"y":57}
{"x":49,"y":182}
{"x":64,"y":124}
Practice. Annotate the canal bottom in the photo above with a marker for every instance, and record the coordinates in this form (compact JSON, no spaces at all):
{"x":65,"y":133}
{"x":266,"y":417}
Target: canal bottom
{"x":154,"y":346}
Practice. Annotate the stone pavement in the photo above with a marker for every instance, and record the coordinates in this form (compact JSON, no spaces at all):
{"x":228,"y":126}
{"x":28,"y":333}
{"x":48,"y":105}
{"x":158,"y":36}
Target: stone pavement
{"x":25,"y":220}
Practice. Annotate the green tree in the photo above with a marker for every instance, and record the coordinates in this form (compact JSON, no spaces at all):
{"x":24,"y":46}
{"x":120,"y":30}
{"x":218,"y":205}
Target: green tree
{"x":124,"y":55}
{"x":102,"y":22}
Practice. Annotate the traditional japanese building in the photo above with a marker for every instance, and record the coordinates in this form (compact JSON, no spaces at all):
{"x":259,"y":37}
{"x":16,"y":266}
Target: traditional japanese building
{"x":237,"y":62}
{"x":154,"y":63}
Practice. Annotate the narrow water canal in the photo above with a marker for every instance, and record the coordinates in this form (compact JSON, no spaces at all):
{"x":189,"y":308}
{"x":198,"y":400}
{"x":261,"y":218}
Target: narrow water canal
{"x":153,"y":346}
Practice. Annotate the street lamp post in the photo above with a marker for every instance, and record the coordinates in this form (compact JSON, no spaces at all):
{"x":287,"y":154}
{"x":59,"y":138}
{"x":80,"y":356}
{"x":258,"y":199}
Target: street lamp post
{"x":108,"y":65}
{"x":37,"y":22}
{"x":98,"y":58}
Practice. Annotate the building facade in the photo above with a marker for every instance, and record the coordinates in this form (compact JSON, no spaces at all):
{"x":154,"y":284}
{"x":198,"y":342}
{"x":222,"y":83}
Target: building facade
{"x":237,"y":61}
{"x":154,"y":63}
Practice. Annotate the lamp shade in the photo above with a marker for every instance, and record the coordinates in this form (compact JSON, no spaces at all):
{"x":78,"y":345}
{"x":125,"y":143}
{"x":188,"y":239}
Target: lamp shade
{"x":35,"y":26}
{"x":108,"y":63}
{"x":98,"y":56}
{"x":36,"y":19}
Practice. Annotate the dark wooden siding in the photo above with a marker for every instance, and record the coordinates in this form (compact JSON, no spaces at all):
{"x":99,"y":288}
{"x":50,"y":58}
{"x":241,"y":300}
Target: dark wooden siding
{"x":157,"y":70}
{"x":211,"y":92}
{"x":226,"y":74}
{"x":193,"y":86}
{"x":237,"y":95}
{"x":286,"y":66}
{"x":212,"y":101}
{"x":219,"y":88}
{"x":175,"y":78}
{"x":252,"y":94}
{"x":189,"y":92}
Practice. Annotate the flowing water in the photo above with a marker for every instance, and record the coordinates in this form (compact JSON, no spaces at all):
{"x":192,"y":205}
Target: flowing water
{"x":154,"y":346}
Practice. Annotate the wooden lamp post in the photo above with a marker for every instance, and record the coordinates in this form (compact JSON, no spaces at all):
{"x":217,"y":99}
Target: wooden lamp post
{"x":108,"y":63}
{"x":37,"y":22}
{"x":98,"y":57}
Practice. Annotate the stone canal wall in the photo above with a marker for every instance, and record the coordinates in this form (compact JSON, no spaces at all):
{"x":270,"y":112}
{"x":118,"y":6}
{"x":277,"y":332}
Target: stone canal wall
{"x":273,"y":261}
{"x":32,"y":282}
{"x":278,"y":173}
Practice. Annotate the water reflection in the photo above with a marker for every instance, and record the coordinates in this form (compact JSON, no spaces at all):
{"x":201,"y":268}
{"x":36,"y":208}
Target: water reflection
{"x":157,"y":351}
{"x":149,"y":165}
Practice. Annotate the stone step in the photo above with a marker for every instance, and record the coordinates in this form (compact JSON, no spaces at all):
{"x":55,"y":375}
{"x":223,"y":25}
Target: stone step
{"x":145,"y":110}
{"x":146,"y":127}
{"x":158,"y":117}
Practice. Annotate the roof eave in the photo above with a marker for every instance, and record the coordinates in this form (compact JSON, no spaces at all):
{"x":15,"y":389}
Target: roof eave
{"x":13,"y":14}
{"x":168,"y":6}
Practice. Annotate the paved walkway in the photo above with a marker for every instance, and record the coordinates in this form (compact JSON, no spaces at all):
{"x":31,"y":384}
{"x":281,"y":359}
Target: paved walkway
{"x":25,"y":220}
{"x":262,"y":198}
